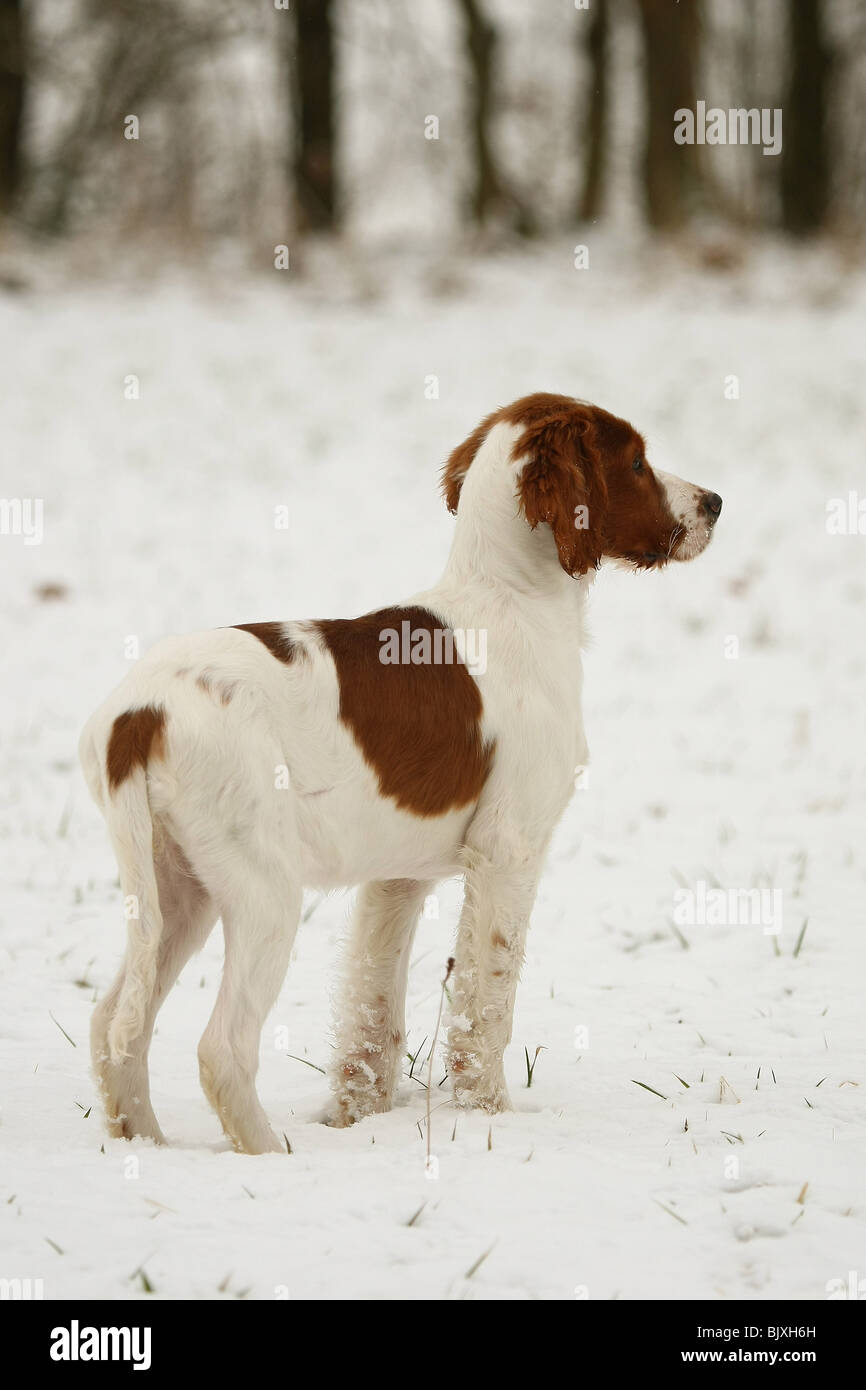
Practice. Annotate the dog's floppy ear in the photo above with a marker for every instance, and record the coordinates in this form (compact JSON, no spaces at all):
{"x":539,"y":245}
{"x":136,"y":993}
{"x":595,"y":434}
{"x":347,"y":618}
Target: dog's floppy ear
{"x":561,"y":483}
{"x":457,"y":467}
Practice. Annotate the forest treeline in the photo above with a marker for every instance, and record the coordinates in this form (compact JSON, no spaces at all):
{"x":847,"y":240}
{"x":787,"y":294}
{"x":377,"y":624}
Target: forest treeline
{"x":244,"y":113}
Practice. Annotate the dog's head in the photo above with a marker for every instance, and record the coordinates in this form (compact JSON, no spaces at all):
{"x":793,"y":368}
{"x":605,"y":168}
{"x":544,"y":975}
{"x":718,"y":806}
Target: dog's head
{"x":585,"y":473}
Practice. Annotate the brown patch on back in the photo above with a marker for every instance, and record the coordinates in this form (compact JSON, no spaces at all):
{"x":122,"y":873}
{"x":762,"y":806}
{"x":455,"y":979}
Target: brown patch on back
{"x":274,"y":638}
{"x":418,"y":726}
{"x":136,"y":736}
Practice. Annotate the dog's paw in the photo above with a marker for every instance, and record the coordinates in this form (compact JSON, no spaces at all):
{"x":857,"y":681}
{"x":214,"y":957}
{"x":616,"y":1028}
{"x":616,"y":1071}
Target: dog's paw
{"x":359,"y":1091}
{"x":477,"y":1089}
{"x":337,"y":1117}
{"x":492,"y":1102}
{"x":348,"y":1108}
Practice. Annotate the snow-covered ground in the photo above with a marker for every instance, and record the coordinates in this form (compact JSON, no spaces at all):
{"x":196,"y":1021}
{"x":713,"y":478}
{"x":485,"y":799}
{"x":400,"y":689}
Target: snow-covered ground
{"x":735,"y":1168}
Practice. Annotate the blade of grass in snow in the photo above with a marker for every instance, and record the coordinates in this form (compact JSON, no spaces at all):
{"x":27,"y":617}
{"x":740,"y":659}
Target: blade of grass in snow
{"x":530,"y":1066}
{"x":413,"y":1060}
{"x":649,"y":1088}
{"x":62,"y":1029}
{"x":473,"y":1269}
{"x":678,"y":934}
{"x":306,"y":1063}
{"x":449,"y":967}
{"x":674,"y":1214}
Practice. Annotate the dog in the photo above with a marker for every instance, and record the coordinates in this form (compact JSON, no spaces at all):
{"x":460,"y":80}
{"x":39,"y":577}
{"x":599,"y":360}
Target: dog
{"x":236,"y":767}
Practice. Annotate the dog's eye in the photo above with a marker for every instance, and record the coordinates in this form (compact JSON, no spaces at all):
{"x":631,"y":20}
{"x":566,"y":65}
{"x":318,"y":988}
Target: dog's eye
{"x":638,"y":465}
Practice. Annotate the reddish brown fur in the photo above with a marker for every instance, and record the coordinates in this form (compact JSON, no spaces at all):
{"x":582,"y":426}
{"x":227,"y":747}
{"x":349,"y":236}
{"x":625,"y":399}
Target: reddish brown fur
{"x":136,"y":736}
{"x":418,"y":726}
{"x":459,"y":460}
{"x":579,"y":455}
{"x":273,"y":637}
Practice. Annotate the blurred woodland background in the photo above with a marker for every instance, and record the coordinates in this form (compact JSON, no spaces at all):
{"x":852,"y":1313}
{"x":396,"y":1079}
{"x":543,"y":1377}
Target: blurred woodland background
{"x":389,"y":122}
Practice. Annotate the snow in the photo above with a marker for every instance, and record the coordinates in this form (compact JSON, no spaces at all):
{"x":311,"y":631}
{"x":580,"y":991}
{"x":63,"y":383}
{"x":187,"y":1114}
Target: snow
{"x":743,"y":1177}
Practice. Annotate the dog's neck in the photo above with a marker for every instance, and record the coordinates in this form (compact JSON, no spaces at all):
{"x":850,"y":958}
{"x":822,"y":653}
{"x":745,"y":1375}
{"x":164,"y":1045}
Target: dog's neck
{"x":505,"y":580}
{"x":493,"y":543}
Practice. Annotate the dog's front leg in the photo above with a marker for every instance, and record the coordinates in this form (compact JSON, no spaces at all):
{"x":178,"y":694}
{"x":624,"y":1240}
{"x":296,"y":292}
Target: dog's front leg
{"x":371,"y":1012}
{"x":490,"y":945}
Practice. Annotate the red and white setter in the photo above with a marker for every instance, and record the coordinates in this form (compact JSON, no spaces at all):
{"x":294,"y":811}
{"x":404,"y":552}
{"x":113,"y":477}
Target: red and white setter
{"x":438,"y":737}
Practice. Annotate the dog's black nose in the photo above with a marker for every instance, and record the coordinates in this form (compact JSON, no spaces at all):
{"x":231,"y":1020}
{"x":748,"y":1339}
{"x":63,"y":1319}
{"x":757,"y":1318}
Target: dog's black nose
{"x":712,"y":504}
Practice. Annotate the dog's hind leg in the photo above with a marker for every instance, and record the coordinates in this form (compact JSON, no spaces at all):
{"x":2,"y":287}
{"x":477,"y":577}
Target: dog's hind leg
{"x":188,"y":915}
{"x":371,"y":1007}
{"x":260,"y":913}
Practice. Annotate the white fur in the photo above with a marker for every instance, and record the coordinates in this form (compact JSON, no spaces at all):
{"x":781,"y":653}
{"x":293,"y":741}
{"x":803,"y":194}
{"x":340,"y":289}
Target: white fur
{"x":684,"y":500}
{"x":227,"y":841}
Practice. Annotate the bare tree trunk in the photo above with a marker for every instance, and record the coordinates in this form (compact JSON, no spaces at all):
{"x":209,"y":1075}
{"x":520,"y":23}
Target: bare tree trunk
{"x":671,"y":34}
{"x":490,"y":196}
{"x":480,"y":44}
{"x":314,"y":155}
{"x":589,"y":205}
{"x":11,"y":101}
{"x":805,"y":168}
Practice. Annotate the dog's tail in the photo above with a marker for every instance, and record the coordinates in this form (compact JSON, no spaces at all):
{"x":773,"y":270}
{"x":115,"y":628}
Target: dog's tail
{"x":118,"y":782}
